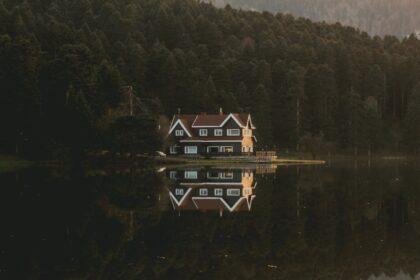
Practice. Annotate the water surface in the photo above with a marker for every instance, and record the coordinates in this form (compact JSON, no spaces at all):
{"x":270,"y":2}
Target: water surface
{"x":225,"y":222}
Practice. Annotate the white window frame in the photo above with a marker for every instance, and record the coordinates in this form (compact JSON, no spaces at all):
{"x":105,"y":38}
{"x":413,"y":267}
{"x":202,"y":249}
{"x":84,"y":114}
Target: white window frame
{"x":234,"y":132}
{"x":218,"y":192}
{"x":203,"y":192}
{"x":223,"y":149}
{"x":226,"y":175}
{"x":172,"y":150}
{"x":188,"y":151}
{"x":179,"y":191}
{"x":208,"y":148}
{"x":203,"y":132}
{"x":218,"y":132}
{"x":191,"y":174}
{"x":172,"y":175}
{"x":233,"y":192}
{"x":179,"y":132}
{"x":212,"y":177}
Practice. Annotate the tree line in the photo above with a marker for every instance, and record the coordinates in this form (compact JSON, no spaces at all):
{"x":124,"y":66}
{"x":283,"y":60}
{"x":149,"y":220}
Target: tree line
{"x":377,"y":17}
{"x":65,"y":67}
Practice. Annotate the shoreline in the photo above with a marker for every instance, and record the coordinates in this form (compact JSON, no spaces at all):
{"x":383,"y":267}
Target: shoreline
{"x":11,"y":163}
{"x":215,"y":161}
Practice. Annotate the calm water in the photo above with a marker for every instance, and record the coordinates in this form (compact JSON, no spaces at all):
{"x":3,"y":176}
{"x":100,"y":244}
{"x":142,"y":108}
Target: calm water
{"x":339,"y":222}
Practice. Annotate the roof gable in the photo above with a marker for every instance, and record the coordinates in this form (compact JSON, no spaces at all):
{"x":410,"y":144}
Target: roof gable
{"x":181,"y":123}
{"x":210,"y":121}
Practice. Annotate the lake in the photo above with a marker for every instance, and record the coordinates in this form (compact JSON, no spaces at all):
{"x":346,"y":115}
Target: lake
{"x":344,"y":221}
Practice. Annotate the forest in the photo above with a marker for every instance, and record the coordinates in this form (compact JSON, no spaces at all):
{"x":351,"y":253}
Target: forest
{"x":377,"y":17}
{"x":67,"y":67}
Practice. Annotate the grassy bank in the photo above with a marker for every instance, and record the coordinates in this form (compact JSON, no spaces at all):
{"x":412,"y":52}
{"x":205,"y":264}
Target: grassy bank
{"x":11,"y":163}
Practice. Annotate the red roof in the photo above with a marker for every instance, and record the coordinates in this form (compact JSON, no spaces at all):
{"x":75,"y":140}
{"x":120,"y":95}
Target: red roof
{"x":189,"y":121}
{"x":209,"y":120}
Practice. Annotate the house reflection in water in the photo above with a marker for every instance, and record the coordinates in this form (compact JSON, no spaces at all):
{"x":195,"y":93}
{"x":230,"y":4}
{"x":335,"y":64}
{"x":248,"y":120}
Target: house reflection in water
{"x":212,"y":189}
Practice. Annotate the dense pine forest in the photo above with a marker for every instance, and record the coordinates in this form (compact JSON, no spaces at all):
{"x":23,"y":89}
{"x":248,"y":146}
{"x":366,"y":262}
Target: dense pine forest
{"x":377,"y":17}
{"x":68,"y":67}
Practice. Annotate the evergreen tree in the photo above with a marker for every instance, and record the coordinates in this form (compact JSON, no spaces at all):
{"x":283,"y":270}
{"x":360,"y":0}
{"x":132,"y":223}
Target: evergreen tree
{"x":412,"y":120}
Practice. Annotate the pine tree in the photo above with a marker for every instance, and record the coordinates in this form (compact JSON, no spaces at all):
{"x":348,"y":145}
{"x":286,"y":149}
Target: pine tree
{"x":412,"y":121}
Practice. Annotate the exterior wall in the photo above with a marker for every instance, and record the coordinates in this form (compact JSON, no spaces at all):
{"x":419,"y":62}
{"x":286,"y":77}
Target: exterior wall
{"x":248,"y":144}
{"x":202,"y":148}
{"x":244,"y":146}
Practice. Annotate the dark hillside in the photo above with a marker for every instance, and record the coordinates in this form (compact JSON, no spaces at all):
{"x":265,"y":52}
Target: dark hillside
{"x":65,"y":65}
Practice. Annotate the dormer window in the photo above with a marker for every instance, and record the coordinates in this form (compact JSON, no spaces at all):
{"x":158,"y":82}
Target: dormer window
{"x":233,"y":132}
{"x":218,"y":132}
{"x":179,"y":132}
{"x":203,"y":132}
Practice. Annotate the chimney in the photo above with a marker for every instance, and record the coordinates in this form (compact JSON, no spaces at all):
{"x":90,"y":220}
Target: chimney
{"x":221,"y":111}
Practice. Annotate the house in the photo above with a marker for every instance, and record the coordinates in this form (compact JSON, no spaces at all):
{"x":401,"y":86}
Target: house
{"x":211,"y":134}
{"x":221,"y":190}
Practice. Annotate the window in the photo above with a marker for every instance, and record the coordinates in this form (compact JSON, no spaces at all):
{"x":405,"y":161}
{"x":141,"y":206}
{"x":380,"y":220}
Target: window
{"x":179,"y":192}
{"x":218,"y":192}
{"x":227,"y":175}
{"x":179,"y":132}
{"x":233,"y":132}
{"x":233,"y":192}
{"x":203,"y":132}
{"x":190,"y":174}
{"x":203,"y":192}
{"x":218,"y":132}
{"x":213,"y":175}
{"x":247,"y":191}
{"x":173,"y":149}
{"x":191,"y":149}
{"x":247,"y":132}
{"x":212,"y":149}
{"x":172,"y":175}
{"x":227,"y":149}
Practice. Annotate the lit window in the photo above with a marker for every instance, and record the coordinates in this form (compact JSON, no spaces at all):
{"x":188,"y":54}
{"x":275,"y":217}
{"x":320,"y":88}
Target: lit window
{"x":179,"y":192}
{"x":203,"y":132}
{"x":190,"y":174}
{"x":233,"y":132}
{"x":203,"y":192}
{"x":228,"y":149}
{"x":218,"y":132}
{"x":191,"y":149}
{"x":233,"y":192}
{"x":227,"y":175}
{"x":179,"y":132}
{"x":218,"y":192}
